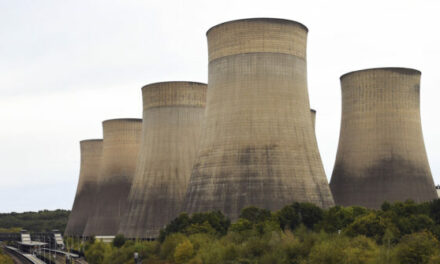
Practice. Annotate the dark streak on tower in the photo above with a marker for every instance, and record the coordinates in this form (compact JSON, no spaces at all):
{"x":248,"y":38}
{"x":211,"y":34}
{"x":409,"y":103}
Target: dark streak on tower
{"x":119,"y":154}
{"x":381,"y":154}
{"x":91,"y":153}
{"x":258,"y":145}
{"x":173,"y":114}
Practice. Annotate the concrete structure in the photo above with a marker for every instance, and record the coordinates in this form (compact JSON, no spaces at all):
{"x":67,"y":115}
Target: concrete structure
{"x":381,"y":154}
{"x":119,"y":154}
{"x":83,"y":205}
{"x":258,"y":145}
{"x":437,"y":188}
{"x":313,"y":114}
{"x":173,"y":114}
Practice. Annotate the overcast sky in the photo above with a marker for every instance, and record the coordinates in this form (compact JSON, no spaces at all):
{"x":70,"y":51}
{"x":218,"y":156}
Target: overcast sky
{"x":67,"y":65}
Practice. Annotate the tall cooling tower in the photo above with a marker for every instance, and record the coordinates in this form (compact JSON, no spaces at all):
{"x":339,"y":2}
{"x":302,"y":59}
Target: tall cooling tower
{"x":119,"y":154}
{"x":313,"y":114}
{"x":173,"y":114}
{"x":258,"y":144}
{"x":381,"y":154}
{"x":91,"y":151}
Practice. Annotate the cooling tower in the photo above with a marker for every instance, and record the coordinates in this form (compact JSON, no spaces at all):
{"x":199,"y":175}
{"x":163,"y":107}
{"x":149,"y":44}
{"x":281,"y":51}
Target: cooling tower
{"x":258,"y":145}
{"x":381,"y":154}
{"x":119,"y":154}
{"x":173,"y":113}
{"x":313,"y":114}
{"x":91,"y":151}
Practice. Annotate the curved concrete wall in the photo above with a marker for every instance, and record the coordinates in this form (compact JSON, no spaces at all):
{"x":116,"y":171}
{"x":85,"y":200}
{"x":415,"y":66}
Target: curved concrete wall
{"x":173,"y":114}
{"x":258,"y":145}
{"x":381,"y":154}
{"x":119,"y":154}
{"x":91,"y":153}
{"x":313,"y":114}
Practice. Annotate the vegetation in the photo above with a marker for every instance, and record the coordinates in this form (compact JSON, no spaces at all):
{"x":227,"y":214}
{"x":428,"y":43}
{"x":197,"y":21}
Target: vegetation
{"x":5,"y":259}
{"x":40,"y":221}
{"x":300,"y":233}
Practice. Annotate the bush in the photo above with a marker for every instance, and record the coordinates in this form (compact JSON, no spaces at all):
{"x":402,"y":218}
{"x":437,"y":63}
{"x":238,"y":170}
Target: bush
{"x":169,"y":245}
{"x":211,"y":222}
{"x":417,"y":248}
{"x":118,"y":241}
{"x":183,"y":252}
{"x":5,"y":259}
{"x":96,"y":253}
{"x":370,"y":225}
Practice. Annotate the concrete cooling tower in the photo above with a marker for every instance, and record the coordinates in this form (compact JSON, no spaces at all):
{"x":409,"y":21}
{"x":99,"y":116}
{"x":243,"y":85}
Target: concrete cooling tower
{"x":258,"y":145}
{"x":313,"y":114}
{"x":381,"y":154}
{"x":119,"y":154}
{"x":173,"y":114}
{"x":91,"y":151}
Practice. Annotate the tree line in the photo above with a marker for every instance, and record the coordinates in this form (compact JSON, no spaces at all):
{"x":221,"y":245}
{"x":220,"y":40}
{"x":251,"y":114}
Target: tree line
{"x":300,"y":233}
{"x":34,"y":222}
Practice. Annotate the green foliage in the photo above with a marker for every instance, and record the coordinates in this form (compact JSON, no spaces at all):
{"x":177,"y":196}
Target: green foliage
{"x":99,"y":252}
{"x":10,"y":230}
{"x":337,"y":218}
{"x":118,"y":241}
{"x":169,"y":245}
{"x":40,"y":221}
{"x":299,"y":233}
{"x":309,"y":214}
{"x":361,"y":250}
{"x":183,"y":252}
{"x":5,"y":259}
{"x":288,"y":218}
{"x":211,"y":223}
{"x":329,"y":251}
{"x":418,"y":248}
{"x":255,"y":215}
{"x":371,"y":225}
{"x":96,"y":253}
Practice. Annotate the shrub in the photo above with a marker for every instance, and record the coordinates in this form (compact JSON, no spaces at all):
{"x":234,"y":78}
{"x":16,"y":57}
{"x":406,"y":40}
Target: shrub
{"x":118,"y":241}
{"x":417,"y":248}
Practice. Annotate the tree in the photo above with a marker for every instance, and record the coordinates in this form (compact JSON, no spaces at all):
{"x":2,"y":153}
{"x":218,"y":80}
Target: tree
{"x":417,"y":248}
{"x":309,"y":213}
{"x":255,"y":215}
{"x":434,"y":210}
{"x":96,"y":253}
{"x":329,"y":251}
{"x":199,"y":222}
{"x":169,"y":245}
{"x":370,"y":225}
{"x":288,"y":218}
{"x":337,"y":218}
{"x":183,"y":252}
{"x":361,"y":250}
{"x":118,"y":241}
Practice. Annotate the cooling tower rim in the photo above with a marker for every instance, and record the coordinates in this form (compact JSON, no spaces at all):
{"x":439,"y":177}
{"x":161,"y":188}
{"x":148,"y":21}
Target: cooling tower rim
{"x":260,"y":19}
{"x":171,"y":82}
{"x":399,"y":69}
{"x":123,"y":119}
{"x":91,"y":140}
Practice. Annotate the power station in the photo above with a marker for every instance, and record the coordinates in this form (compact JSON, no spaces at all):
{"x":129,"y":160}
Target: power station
{"x":91,"y":153}
{"x":172,"y":118}
{"x":258,"y":145}
{"x":247,"y":138}
{"x":381,"y":154}
{"x":119,"y":154}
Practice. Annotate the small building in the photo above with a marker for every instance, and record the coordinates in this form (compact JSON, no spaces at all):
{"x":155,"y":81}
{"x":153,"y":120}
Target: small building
{"x":27,"y":245}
